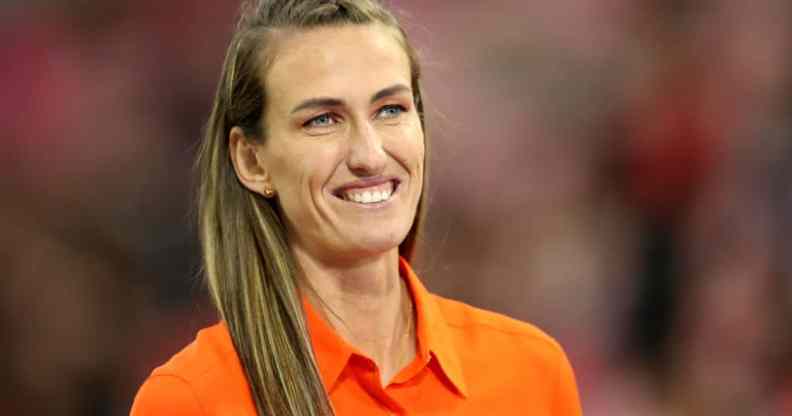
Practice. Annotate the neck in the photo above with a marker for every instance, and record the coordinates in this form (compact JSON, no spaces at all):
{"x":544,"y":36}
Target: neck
{"x":368,"y":305}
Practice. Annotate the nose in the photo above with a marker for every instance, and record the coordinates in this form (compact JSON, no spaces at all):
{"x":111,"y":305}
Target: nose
{"x":366,"y":152}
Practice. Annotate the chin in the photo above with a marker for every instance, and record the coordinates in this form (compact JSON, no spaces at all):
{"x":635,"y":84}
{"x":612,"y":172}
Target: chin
{"x":376,"y":243}
{"x":377,"y":246}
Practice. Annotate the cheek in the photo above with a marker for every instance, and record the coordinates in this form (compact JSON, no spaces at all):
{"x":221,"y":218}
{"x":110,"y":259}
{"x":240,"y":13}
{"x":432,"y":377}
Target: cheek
{"x":310,"y":171}
{"x":298,"y":190}
{"x":406,"y":144}
{"x":417,"y":153}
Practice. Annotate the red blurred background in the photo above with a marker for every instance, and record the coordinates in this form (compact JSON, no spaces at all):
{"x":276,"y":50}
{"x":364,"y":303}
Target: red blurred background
{"x":618,"y":172}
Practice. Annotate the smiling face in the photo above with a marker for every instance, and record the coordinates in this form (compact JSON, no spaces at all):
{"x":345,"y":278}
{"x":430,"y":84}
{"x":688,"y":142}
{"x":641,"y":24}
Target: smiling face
{"x":343,"y":144}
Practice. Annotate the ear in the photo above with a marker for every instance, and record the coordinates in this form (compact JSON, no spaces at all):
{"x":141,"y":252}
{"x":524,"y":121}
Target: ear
{"x":248,"y":166}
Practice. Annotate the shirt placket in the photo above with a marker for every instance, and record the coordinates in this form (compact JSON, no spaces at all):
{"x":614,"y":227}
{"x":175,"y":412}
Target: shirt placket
{"x":368,"y":375}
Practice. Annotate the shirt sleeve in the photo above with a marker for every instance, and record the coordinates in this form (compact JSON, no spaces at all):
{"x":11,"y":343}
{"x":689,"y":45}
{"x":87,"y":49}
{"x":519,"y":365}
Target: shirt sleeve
{"x":163,"y":395}
{"x":567,"y":400}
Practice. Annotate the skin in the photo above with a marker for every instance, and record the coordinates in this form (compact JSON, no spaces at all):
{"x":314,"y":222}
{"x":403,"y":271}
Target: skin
{"x":340,"y":115}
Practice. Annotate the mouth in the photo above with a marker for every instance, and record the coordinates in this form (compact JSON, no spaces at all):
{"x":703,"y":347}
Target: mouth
{"x":371,"y":193}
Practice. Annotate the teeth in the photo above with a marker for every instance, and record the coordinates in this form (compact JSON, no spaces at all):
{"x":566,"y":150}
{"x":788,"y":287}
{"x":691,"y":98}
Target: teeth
{"x":370,"y":196}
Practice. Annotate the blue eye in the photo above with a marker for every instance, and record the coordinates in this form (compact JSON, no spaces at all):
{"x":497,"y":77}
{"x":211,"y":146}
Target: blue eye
{"x":391,"y":111}
{"x":320,"y":121}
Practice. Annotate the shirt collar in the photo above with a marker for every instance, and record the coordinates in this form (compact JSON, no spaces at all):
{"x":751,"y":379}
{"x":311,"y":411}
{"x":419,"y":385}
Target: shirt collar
{"x":434,"y":341}
{"x":433,"y":333}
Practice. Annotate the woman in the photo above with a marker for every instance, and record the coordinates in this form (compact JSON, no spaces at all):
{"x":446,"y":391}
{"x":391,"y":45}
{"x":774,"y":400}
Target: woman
{"x":311,"y":195}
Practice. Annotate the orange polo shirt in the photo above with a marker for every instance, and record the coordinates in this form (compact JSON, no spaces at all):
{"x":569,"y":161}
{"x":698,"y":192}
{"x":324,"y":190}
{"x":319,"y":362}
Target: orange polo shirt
{"x":468,"y":362}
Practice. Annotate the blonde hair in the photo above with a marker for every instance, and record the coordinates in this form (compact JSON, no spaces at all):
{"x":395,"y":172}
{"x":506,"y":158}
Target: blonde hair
{"x":250,"y":270}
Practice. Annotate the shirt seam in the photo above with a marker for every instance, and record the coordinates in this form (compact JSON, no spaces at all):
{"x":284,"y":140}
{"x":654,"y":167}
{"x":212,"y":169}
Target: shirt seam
{"x":189,"y":387}
{"x":477,"y":324}
{"x":521,"y":334}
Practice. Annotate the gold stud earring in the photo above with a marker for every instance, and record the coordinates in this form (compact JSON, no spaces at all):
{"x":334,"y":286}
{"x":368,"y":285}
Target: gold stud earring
{"x":269,"y":192}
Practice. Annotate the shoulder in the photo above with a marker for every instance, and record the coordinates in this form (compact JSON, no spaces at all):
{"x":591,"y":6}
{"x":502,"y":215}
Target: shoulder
{"x":210,"y":351}
{"x":505,"y":355}
{"x":202,"y":377}
{"x":479,"y":323}
{"x":166,"y":394}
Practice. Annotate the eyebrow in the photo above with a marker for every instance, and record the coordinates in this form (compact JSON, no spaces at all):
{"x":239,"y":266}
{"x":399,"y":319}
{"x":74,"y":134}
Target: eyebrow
{"x":335,"y":102}
{"x":390,"y":91}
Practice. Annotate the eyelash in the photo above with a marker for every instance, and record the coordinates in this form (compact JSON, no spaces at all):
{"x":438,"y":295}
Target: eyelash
{"x":401,"y":108}
{"x":310,"y":123}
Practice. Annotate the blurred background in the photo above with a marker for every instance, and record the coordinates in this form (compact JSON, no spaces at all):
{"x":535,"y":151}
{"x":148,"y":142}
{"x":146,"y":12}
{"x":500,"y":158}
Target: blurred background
{"x":618,"y":172}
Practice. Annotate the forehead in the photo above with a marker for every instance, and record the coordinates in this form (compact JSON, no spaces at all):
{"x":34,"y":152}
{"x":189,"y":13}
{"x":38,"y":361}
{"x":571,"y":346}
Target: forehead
{"x":335,"y":61}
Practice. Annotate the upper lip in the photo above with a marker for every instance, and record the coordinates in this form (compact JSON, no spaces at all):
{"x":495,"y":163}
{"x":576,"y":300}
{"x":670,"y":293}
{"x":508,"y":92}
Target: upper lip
{"x":365,"y":183}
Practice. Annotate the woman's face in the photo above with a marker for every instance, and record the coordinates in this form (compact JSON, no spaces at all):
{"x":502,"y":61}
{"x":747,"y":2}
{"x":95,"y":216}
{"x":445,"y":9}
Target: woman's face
{"x":344,"y":145}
